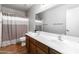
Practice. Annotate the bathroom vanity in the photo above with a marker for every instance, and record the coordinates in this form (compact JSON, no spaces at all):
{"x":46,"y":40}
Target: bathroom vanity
{"x":48,"y":43}
{"x":36,"y":47}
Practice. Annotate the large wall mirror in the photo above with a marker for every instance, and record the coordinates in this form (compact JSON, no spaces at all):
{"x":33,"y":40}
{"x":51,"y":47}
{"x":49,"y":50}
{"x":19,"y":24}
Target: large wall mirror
{"x":61,"y":19}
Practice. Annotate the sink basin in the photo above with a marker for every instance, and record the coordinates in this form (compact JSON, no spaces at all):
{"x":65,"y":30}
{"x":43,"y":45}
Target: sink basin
{"x":48,"y":37}
{"x":45,"y":36}
{"x":66,"y":45}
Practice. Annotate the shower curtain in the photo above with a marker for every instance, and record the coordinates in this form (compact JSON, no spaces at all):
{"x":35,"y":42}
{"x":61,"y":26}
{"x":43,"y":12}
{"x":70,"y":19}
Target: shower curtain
{"x":12,"y":28}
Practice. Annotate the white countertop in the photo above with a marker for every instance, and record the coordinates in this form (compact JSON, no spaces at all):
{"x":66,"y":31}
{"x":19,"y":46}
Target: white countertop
{"x":67,"y":46}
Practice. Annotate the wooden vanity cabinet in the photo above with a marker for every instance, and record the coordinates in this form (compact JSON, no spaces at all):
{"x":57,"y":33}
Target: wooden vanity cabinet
{"x":53,"y":51}
{"x":36,"y":47}
{"x":40,"y":51}
{"x":42,"y":47}
{"x":32,"y":48}
{"x":27,"y":43}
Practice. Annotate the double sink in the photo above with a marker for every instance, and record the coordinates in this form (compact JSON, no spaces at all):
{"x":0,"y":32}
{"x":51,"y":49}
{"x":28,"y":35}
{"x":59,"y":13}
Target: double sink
{"x":59,"y":42}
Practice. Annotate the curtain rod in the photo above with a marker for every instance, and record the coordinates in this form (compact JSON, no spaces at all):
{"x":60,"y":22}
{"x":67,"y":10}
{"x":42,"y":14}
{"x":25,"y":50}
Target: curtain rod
{"x":8,"y":13}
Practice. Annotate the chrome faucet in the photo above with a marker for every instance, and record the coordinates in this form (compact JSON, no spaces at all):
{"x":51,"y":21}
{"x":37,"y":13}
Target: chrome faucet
{"x":35,"y":31}
{"x":38,"y":33}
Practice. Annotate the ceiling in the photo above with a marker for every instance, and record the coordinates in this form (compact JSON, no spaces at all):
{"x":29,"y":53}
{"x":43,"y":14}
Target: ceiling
{"x":22,"y":7}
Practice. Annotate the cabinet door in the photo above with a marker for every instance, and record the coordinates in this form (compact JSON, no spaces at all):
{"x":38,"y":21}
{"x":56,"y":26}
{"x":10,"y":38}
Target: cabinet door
{"x":39,"y":51}
{"x":27,"y":43}
{"x":42,"y":46}
{"x":32,"y":48}
{"x":53,"y":51}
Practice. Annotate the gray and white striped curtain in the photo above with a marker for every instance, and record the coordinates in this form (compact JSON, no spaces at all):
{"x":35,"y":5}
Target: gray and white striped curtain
{"x":13,"y":28}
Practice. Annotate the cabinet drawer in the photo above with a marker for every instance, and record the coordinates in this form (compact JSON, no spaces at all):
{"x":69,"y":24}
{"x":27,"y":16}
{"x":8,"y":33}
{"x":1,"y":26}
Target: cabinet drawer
{"x":53,"y":51}
{"x":32,"y":49}
{"x":40,"y":51}
{"x":33,"y":40}
{"x":42,"y":46}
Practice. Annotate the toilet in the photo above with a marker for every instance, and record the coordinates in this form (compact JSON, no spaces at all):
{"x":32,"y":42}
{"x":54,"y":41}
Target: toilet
{"x":23,"y":41}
